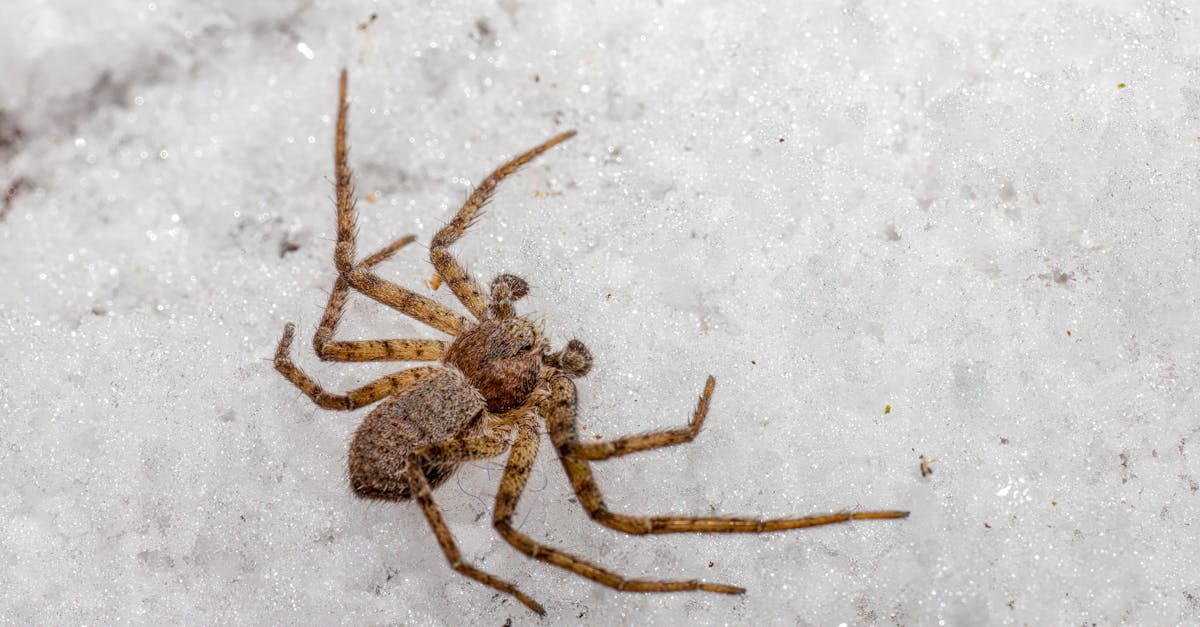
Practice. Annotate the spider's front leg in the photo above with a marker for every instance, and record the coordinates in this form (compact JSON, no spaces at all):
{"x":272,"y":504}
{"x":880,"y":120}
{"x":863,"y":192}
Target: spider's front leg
{"x":574,"y":453}
{"x":360,"y":276}
{"x":451,"y":271}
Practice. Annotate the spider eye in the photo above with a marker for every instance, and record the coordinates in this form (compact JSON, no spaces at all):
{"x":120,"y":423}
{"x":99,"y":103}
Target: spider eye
{"x":520,"y":335}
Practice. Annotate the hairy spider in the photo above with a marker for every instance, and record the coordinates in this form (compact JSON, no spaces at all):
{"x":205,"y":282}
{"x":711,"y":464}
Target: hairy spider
{"x":484,"y":396}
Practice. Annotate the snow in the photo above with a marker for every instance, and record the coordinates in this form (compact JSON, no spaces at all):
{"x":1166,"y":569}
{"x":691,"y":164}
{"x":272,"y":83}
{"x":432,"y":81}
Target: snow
{"x":983,"y":217}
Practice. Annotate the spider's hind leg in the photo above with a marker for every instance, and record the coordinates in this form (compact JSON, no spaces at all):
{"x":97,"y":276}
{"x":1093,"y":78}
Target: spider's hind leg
{"x":559,"y":411}
{"x":451,"y":271}
{"x":420,"y":486}
{"x":516,"y":474}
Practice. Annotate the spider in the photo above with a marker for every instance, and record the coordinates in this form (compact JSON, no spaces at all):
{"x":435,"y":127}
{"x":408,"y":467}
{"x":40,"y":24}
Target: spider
{"x":484,"y":395}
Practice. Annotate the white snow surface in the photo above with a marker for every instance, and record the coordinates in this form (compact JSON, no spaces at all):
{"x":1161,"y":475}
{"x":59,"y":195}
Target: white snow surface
{"x":982,"y":216}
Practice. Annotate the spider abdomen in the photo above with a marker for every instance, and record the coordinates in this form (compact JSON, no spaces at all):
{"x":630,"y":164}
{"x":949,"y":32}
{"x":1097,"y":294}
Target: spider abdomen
{"x":443,"y":406}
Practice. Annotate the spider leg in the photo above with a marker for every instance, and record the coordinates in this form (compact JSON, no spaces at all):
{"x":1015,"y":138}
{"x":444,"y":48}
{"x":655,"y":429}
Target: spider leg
{"x":516,"y":473}
{"x":559,"y":411}
{"x":451,"y":271}
{"x":420,"y":486}
{"x":365,"y":395}
{"x":360,"y":276}
{"x":368,"y":350}
{"x":598,"y":451}
{"x":469,"y":449}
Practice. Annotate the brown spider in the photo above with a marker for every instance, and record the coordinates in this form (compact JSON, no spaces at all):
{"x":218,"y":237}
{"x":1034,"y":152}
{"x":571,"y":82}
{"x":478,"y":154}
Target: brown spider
{"x":484,"y":396}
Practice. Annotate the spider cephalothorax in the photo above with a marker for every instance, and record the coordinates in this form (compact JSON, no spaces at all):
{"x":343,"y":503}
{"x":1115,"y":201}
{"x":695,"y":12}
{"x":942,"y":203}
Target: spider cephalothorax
{"x":487,"y":393}
{"x":502,"y":358}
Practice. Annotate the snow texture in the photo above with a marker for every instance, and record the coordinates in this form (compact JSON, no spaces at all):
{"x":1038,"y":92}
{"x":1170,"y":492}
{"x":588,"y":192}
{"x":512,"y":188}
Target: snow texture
{"x":983,"y":217}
